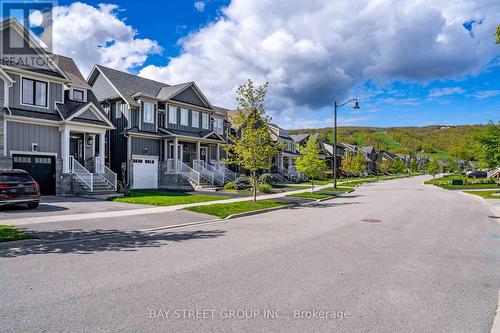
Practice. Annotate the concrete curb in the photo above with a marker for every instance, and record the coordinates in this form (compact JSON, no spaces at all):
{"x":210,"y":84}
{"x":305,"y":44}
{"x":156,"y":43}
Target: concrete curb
{"x":259,"y":211}
{"x":495,"y":327}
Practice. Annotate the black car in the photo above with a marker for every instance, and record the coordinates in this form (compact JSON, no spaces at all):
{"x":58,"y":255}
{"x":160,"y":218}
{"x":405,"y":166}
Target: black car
{"x":17,"y":187}
{"x":476,"y":174}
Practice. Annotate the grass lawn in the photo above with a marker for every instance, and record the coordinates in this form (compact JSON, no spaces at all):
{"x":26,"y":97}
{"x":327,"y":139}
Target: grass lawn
{"x":292,"y":187}
{"x":233,"y":191}
{"x":469,"y":183}
{"x":486,"y":194}
{"x":224,"y":210}
{"x":318,"y":182}
{"x":310,"y":195}
{"x":165,"y":198}
{"x":338,"y":189}
{"x":8,"y":233}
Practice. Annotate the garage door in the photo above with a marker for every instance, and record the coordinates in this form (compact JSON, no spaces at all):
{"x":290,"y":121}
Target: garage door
{"x":145,"y":172}
{"x":41,"y":168}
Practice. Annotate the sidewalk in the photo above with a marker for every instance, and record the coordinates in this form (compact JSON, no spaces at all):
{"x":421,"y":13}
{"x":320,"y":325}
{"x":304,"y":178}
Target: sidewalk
{"x":141,"y":211}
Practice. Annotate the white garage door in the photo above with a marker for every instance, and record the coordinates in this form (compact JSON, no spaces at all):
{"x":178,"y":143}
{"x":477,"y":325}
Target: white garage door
{"x":145,"y":172}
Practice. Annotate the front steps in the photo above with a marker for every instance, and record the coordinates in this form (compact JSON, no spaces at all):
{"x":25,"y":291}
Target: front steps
{"x":101,"y":188}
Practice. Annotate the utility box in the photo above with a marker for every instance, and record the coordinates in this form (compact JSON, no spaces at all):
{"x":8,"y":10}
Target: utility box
{"x":457,"y":182}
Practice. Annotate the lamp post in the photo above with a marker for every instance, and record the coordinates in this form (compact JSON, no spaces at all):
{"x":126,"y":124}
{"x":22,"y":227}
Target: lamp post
{"x":356,"y":106}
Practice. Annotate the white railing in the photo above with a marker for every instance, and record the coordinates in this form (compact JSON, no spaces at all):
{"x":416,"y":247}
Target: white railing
{"x":218,"y":174}
{"x":492,"y":173}
{"x":106,"y":173}
{"x":188,"y":172}
{"x":228,"y":174}
{"x":204,"y":172}
{"x":81,"y":173}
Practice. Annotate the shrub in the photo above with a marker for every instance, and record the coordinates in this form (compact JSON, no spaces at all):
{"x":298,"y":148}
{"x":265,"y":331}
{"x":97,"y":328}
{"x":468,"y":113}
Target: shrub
{"x":229,"y":186}
{"x":241,"y":183}
{"x":265,"y":188}
{"x":127,"y":193}
{"x":266,"y":178}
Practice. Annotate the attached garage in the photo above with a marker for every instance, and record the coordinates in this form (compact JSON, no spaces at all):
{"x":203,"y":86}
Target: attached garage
{"x":41,"y":168}
{"x":145,"y":172}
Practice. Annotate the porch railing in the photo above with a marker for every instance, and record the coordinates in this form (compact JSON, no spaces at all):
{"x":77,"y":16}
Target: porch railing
{"x":493,"y":173}
{"x":188,"y":172}
{"x":228,"y":174}
{"x":204,"y":172}
{"x":218,"y":174}
{"x":81,"y":173}
{"x":170,"y":165}
{"x":106,"y":173}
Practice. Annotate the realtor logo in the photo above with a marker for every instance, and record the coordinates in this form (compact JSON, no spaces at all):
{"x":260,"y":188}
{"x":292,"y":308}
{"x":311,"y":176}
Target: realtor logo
{"x":20,"y":47}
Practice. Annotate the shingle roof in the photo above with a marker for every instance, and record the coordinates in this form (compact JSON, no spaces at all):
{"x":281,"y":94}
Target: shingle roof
{"x":299,"y":137}
{"x":221,"y":111}
{"x":128,"y":84}
{"x":169,"y":91}
{"x":34,"y":114}
{"x":68,"y":66}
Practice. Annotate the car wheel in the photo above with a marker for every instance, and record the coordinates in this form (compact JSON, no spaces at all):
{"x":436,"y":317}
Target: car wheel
{"x":33,"y":205}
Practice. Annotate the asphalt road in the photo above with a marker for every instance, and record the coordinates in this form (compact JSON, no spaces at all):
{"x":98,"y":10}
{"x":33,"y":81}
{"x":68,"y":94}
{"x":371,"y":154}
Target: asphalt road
{"x":424,"y":260}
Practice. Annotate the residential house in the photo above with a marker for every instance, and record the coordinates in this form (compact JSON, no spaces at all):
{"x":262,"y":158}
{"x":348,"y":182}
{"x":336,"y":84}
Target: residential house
{"x":51,"y":123}
{"x":283,"y":164}
{"x":166,"y":136}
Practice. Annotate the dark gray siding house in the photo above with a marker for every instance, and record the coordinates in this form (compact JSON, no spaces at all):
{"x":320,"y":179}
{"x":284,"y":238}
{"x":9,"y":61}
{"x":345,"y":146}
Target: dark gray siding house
{"x":51,"y":123}
{"x":165,"y":136}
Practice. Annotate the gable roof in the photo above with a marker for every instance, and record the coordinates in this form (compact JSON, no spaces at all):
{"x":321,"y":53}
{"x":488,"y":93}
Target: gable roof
{"x":69,"y":67}
{"x":169,"y":91}
{"x":299,"y":137}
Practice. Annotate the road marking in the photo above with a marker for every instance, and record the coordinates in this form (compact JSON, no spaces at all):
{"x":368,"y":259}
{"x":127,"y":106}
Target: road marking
{"x":495,"y":328}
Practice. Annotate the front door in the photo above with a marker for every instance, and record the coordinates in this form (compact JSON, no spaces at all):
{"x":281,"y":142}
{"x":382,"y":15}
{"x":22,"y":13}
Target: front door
{"x":204,"y":154}
{"x":76,"y":149}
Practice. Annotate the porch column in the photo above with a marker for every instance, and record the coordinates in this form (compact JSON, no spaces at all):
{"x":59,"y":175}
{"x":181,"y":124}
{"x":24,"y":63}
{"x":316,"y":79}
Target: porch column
{"x":165,"y":150}
{"x":176,"y":153}
{"x":218,"y":153}
{"x":102,"y":148}
{"x":65,"y":149}
{"x":198,"y":146}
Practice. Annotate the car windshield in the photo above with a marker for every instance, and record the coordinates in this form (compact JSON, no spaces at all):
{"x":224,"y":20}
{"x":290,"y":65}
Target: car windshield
{"x":15,"y":177}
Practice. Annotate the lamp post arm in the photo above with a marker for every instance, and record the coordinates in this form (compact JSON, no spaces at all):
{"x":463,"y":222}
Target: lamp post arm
{"x":349,"y":101}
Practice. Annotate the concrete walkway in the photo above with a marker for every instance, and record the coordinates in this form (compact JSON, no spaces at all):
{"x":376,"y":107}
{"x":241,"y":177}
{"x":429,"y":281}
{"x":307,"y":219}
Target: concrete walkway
{"x":142,"y":211}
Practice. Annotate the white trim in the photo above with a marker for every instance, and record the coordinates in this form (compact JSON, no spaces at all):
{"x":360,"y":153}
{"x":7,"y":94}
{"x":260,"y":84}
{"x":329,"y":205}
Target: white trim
{"x":145,"y":135}
{"x":30,"y":120}
{"x":5,"y":137}
{"x":90,"y":106}
{"x":150,"y":157}
{"x":143,"y":107}
{"x":197,"y":91}
{"x":6,"y":77}
{"x":39,"y":75}
{"x":189,"y":106}
{"x":187,"y":117}
{"x":33,"y":78}
{"x":109,"y":81}
{"x":38,"y":153}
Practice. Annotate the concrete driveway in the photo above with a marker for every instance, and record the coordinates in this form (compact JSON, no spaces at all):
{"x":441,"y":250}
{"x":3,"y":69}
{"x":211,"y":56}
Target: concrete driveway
{"x":59,"y":205}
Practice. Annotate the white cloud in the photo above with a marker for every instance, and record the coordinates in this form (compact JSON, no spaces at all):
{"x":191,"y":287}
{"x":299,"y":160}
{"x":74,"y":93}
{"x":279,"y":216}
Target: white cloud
{"x":315,"y":51}
{"x":199,"y":5}
{"x":439,"y":92}
{"x":483,"y":94}
{"x":93,"y":35}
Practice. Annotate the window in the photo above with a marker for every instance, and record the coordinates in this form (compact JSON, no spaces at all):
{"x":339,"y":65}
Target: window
{"x":34,"y":92}
{"x":172,"y":114}
{"x":195,"y":119}
{"x":184,"y":117}
{"x":204,"y":120}
{"x":149,"y":113}
{"x":118,"y":110}
{"x":105,"y":107}
{"x":219,"y":125}
{"x":78,"y":95}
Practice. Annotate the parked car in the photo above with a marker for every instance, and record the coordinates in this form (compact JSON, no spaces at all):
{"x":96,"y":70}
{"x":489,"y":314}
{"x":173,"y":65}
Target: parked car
{"x":18,"y":187}
{"x":476,"y":174}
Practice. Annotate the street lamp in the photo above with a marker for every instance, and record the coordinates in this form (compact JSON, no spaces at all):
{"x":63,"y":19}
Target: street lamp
{"x":356,"y":107}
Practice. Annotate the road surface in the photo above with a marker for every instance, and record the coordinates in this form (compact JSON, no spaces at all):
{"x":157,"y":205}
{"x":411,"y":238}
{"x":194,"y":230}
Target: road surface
{"x":395,"y":256}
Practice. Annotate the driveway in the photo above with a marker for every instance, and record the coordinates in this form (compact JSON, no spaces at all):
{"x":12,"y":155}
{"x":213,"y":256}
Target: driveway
{"x":395,"y":256}
{"x":59,"y":205}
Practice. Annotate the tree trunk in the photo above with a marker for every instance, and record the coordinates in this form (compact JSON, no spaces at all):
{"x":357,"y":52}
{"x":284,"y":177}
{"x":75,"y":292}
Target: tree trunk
{"x":254,"y":185}
{"x":312,"y":185}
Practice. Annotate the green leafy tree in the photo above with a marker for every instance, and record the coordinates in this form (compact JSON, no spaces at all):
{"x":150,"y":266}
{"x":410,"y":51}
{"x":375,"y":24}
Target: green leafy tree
{"x":359,"y":163}
{"x":498,"y":34}
{"x":398,"y":166}
{"x":488,"y":149}
{"x":347,"y":163}
{"x":309,"y":162}
{"x":384,"y":165}
{"x":254,"y":148}
{"x":433,"y":167}
{"x":451,"y":166}
{"x":414,"y":166}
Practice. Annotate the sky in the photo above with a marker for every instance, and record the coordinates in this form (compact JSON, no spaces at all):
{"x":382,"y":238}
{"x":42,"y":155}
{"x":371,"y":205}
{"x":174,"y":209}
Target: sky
{"x":411,"y":63}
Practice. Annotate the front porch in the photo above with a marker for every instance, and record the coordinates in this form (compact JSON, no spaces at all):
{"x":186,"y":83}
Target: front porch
{"x":283,"y":164}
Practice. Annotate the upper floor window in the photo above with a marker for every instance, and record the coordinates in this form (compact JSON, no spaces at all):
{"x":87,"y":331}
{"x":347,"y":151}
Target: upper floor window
{"x":172,"y":114}
{"x":195,"y":119}
{"x":205,"y":117}
{"x":34,"y":92}
{"x":219,"y":125}
{"x":184,"y":117}
{"x":105,"y":107}
{"x":149,"y":113}
{"x":78,"y":95}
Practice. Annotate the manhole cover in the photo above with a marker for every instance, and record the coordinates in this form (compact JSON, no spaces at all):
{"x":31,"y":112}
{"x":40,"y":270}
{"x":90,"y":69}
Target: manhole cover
{"x":494,"y":217}
{"x":371,"y":220}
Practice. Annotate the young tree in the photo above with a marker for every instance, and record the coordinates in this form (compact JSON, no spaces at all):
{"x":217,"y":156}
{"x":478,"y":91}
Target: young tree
{"x":451,"y":166}
{"x":359,"y":163}
{"x":347,"y":163}
{"x":253,"y":149}
{"x":384,"y":165}
{"x":398,"y":166}
{"x":414,"y":166}
{"x":309,"y":162}
{"x":498,"y":34}
{"x":433,"y":167}
{"x":488,"y":140}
